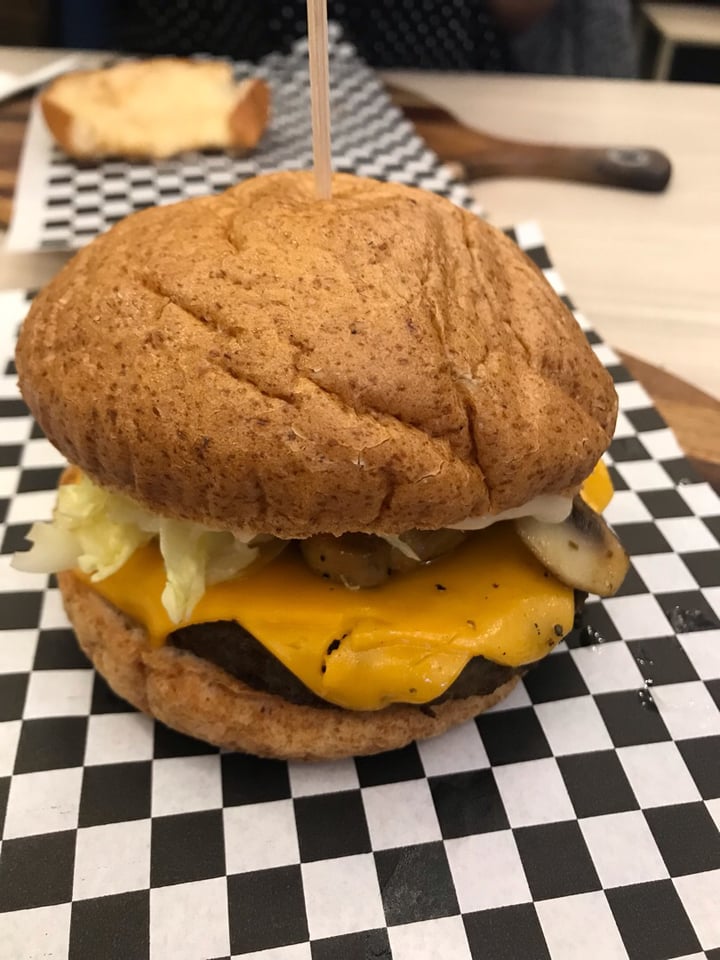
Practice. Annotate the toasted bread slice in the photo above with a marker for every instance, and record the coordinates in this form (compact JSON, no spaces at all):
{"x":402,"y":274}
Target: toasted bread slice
{"x":155,"y":108}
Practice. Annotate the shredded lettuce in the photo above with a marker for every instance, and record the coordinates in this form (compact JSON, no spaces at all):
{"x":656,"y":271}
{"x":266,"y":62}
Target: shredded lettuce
{"x":98,"y":531}
{"x":83,"y":533}
{"x":195,"y":557}
{"x":53,"y":550}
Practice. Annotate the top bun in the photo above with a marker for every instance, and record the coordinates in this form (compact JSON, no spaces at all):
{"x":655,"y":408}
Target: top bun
{"x":265,"y":361}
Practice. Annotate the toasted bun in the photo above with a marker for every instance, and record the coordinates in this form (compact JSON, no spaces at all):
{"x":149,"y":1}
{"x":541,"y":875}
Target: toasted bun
{"x":203,"y":701}
{"x":154,"y":108}
{"x":261,"y":360}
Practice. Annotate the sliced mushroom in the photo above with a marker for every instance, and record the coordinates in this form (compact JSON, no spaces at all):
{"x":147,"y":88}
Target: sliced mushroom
{"x":355,"y":559}
{"x":582,"y":551}
{"x":430,"y":544}
{"x":362,"y":560}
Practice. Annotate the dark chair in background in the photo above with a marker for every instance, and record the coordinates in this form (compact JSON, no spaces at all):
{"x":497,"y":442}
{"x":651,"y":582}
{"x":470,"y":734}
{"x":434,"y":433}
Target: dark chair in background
{"x":576,"y":37}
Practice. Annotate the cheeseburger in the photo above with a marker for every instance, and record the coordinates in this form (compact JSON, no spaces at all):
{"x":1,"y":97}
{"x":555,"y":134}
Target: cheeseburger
{"x":336,"y":475}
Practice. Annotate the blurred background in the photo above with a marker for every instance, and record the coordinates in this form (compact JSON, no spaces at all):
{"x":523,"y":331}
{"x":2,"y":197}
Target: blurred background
{"x":606,"y":38}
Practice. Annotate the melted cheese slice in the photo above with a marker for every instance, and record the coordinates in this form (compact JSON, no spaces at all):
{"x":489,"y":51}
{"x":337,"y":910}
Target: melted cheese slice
{"x":405,"y":641}
{"x":597,"y":490}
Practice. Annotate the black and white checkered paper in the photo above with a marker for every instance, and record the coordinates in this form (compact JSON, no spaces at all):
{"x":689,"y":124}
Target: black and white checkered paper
{"x":578,"y":820}
{"x":60,"y":203}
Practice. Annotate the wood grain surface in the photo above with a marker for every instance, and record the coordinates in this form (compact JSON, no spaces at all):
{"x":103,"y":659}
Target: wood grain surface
{"x":13,"y":118}
{"x":693,"y":414}
{"x":481,"y":155}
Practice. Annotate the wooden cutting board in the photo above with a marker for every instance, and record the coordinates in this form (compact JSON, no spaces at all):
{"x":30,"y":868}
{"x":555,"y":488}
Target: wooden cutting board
{"x":694,"y":415}
{"x":480,"y":154}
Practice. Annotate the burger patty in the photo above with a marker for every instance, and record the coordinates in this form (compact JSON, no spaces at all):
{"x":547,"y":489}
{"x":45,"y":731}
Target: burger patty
{"x":235,"y":650}
{"x":229,"y":646}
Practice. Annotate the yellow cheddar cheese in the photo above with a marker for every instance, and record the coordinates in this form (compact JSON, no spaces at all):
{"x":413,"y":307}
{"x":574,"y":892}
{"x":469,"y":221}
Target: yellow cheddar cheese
{"x":597,"y":490}
{"x":405,"y":641}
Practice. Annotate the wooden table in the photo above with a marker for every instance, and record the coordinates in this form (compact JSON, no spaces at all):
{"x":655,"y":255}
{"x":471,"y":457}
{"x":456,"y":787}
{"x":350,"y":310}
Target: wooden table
{"x":642,"y":267}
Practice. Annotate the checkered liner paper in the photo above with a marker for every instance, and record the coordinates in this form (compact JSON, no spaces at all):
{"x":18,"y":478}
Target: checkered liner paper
{"x":60,"y":204}
{"x":578,"y":819}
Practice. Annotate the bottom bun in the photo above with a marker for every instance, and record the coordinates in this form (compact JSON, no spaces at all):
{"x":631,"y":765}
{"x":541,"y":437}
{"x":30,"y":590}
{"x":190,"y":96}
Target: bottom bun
{"x":200,"y":699}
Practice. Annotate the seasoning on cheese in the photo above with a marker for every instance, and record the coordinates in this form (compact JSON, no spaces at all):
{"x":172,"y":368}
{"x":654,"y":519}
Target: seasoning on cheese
{"x":403,"y":642}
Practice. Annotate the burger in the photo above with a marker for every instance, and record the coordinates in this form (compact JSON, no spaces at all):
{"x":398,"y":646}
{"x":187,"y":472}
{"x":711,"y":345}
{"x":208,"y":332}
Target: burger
{"x":335,"y":477}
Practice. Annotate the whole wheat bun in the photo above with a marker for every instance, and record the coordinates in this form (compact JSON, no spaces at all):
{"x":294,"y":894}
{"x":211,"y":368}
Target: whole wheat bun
{"x":261,"y":360}
{"x":154,"y":108}
{"x":202,"y":700}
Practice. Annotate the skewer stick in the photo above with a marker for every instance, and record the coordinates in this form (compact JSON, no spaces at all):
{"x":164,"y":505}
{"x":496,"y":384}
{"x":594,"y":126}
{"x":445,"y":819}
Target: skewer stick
{"x":320,"y":96}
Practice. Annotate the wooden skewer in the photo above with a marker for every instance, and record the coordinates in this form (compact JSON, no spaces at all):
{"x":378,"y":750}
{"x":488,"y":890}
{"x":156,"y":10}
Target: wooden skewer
{"x":320,"y":96}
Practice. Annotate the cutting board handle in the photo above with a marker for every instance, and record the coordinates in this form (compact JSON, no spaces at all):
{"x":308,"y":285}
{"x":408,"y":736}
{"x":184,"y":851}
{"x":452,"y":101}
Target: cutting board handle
{"x":482,"y":155}
{"x":632,"y":168}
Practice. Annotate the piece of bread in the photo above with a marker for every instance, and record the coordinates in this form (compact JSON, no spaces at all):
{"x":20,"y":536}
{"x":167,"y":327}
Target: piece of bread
{"x":202,"y":700}
{"x":261,"y":360}
{"x":155,"y":108}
